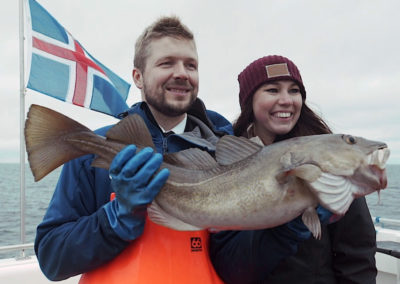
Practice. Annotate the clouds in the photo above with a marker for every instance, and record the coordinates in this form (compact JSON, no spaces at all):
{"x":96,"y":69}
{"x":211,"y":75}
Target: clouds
{"x":347,"y":52}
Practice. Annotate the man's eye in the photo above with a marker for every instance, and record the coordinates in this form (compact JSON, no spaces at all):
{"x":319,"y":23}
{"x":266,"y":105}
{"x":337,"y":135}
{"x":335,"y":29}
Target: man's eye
{"x":165,"y":63}
{"x":192,"y":66}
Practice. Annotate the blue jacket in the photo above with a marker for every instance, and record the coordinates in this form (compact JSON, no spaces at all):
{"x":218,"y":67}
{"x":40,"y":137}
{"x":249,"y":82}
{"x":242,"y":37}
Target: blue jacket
{"x":75,"y":235}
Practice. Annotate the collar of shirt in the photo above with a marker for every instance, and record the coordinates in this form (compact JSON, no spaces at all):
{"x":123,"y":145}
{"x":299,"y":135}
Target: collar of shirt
{"x":180,"y":128}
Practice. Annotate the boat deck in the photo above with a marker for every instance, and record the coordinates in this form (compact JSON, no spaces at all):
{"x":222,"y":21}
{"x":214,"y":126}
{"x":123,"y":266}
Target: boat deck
{"x":26,"y":270}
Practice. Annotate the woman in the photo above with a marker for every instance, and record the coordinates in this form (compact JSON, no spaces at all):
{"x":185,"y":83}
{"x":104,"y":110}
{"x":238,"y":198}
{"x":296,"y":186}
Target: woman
{"x":272,"y":99}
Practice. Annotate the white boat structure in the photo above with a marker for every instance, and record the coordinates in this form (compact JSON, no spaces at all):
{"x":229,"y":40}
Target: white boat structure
{"x":25,"y":269}
{"x":388,"y":255}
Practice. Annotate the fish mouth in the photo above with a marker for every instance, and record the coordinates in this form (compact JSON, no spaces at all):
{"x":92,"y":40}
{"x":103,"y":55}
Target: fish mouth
{"x":372,"y":176}
{"x":377,"y":164}
{"x":379,"y":157}
{"x":337,"y":192}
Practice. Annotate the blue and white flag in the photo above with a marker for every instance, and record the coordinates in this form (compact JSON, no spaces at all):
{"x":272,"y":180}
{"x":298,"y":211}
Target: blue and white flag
{"x":61,"y":68}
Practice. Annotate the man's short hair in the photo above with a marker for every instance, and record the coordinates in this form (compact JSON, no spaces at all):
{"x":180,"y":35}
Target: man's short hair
{"x":165,"y":26}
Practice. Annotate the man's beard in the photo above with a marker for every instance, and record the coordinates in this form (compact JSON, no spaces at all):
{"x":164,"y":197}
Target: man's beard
{"x":159,"y":102}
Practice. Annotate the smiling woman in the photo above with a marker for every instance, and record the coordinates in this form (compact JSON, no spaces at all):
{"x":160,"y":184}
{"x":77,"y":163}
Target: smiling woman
{"x":273,"y":102}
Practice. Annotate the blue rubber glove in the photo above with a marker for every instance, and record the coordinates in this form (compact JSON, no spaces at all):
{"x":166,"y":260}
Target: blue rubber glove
{"x":134,"y":181}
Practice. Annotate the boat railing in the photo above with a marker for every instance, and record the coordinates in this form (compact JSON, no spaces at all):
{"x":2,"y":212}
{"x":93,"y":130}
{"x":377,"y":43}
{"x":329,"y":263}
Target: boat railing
{"x":19,"y":247}
{"x":382,"y":222}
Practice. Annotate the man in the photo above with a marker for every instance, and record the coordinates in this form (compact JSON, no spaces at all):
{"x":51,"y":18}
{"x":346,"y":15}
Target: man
{"x":112,"y":241}
{"x":82,"y":229}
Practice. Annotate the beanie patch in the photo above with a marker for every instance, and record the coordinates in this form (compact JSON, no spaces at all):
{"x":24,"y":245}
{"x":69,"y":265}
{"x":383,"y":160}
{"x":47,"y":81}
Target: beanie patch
{"x":277,"y":70}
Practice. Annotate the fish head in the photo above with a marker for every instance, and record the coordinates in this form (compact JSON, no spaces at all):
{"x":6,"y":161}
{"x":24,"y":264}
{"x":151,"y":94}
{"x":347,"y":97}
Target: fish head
{"x":357,"y":159}
{"x":345,"y":155}
{"x":370,"y":175}
{"x":339,"y":167}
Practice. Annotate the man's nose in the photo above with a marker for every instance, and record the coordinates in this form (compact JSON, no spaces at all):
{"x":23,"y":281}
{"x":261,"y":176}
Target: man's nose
{"x":180,"y":71}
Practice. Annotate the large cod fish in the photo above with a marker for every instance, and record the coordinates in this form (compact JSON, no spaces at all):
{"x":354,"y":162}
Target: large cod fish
{"x":246,"y":185}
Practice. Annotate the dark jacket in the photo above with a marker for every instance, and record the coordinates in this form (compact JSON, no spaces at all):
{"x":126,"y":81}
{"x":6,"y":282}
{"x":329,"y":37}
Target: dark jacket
{"x":75,"y":235}
{"x":346,"y":254}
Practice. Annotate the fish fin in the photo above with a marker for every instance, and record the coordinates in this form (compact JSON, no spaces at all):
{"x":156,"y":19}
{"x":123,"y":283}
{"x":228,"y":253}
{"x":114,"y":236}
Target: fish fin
{"x":192,"y":158}
{"x":45,"y":132}
{"x":311,"y":221}
{"x":231,"y":149}
{"x":159,"y":216}
{"x":334,"y":192}
{"x":257,"y":140}
{"x":131,"y":130}
{"x":307,"y":172}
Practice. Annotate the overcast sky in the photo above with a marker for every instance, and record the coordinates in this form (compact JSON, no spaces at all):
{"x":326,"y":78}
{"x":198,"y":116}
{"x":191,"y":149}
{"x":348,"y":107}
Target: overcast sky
{"x":347,"y":52}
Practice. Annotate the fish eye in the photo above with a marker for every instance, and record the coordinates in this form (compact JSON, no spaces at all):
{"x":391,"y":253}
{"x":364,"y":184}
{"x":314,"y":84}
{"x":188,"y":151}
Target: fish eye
{"x":349,"y":139}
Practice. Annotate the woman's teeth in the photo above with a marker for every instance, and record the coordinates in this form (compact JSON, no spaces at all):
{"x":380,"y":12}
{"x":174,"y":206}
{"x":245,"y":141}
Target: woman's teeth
{"x":283,"y":114}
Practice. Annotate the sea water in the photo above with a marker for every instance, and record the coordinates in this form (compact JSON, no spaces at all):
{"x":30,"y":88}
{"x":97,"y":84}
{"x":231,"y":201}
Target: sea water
{"x":37,"y":198}
{"x":38,"y":195}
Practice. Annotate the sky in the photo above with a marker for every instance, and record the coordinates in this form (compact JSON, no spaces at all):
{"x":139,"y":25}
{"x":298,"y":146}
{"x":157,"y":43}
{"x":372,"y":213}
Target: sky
{"x":347,"y":52}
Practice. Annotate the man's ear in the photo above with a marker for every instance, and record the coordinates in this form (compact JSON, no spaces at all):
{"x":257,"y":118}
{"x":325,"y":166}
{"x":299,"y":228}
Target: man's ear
{"x":137,"y":78}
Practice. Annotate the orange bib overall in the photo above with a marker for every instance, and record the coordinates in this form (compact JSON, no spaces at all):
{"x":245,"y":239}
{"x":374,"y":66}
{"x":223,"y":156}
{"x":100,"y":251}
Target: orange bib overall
{"x":160,"y":255}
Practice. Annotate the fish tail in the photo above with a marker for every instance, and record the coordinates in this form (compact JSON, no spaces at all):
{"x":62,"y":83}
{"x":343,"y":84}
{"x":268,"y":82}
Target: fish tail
{"x":45,"y":133}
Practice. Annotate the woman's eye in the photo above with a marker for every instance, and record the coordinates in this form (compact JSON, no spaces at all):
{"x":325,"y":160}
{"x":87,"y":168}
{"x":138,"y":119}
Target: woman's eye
{"x":271,"y":90}
{"x":294,"y":91}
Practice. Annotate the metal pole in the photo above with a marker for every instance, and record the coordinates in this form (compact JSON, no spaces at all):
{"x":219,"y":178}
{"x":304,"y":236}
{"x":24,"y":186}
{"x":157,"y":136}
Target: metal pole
{"x":22,"y":120}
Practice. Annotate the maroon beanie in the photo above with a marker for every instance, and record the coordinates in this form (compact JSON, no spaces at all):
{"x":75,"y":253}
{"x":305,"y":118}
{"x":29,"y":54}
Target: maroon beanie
{"x":266,"y":69}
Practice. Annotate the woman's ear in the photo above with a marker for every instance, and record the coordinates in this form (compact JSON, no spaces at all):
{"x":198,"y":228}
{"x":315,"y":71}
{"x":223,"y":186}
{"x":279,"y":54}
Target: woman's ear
{"x":137,"y":78}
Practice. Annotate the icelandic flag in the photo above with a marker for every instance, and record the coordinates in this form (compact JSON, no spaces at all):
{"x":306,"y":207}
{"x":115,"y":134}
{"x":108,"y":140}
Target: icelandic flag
{"x":61,"y":68}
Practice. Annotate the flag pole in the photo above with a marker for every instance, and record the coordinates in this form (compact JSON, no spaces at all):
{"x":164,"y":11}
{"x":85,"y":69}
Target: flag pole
{"x":22,"y":120}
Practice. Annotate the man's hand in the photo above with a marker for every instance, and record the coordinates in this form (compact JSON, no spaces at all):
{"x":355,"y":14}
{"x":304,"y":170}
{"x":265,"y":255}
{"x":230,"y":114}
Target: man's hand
{"x":135,"y":180}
